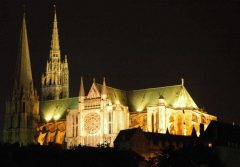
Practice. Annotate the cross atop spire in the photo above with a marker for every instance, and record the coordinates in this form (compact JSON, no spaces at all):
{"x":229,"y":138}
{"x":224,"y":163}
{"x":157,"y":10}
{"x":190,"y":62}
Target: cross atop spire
{"x":23,"y":73}
{"x":55,"y":48}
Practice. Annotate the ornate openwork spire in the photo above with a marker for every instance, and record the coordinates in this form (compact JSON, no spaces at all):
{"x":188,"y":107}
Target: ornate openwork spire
{"x":55,"y":38}
{"x":23,"y":73}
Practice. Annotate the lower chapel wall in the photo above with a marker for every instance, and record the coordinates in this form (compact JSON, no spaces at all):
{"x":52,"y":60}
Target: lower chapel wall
{"x":55,"y":132}
{"x":52,"y":132}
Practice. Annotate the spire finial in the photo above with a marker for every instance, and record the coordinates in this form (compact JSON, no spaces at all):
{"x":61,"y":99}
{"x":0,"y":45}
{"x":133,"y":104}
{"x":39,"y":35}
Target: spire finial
{"x":104,"y":89}
{"x":81,"y":92}
{"x":93,"y":80}
{"x":182,"y":81}
{"x":104,"y":81}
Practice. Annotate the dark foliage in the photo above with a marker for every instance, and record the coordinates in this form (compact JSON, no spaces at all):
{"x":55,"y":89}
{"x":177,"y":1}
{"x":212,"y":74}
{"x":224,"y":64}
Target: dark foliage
{"x":198,"y":156}
{"x":55,"y":155}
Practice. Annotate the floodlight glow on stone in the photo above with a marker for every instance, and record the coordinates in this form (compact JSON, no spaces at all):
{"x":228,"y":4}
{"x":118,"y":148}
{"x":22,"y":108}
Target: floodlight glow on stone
{"x":56,"y":117}
{"x":48,"y":117}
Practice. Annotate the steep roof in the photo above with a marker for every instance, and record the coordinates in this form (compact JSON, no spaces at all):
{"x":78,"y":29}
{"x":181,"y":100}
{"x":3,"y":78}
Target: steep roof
{"x":137,"y":100}
{"x":117,"y":96}
{"x":175,"y":96}
{"x":126,"y":134}
{"x":57,"y":108}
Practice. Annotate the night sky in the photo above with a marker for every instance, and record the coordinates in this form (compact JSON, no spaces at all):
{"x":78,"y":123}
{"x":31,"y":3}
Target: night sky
{"x":134,"y":44}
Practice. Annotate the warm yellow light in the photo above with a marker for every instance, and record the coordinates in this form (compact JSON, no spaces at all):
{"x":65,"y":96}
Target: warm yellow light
{"x":48,"y":117}
{"x":56,"y":117}
{"x":139,"y":109}
{"x":41,"y":138}
{"x":117,"y":102}
{"x":180,"y":102}
{"x":210,"y":145}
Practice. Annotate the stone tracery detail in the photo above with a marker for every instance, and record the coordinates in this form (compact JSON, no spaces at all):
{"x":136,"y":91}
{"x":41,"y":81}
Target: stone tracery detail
{"x":92,"y":123}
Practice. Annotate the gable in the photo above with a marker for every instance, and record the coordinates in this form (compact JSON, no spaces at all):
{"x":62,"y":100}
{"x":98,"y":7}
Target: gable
{"x":93,"y":92}
{"x":116,"y":96}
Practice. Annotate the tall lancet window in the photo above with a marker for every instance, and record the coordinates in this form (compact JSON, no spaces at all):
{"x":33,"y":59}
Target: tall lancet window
{"x":157,"y":122}
{"x":23,"y":107}
{"x":73,"y":126}
{"x":110,"y":122}
{"x":152,"y":123}
{"x":76,"y":125}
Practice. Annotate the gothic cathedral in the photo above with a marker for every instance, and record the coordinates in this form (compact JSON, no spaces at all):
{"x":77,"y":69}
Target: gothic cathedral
{"x":94,"y":118}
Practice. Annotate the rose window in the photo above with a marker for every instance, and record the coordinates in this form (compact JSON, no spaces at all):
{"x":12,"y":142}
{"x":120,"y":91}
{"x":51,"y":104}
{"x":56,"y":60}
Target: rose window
{"x":92,"y":123}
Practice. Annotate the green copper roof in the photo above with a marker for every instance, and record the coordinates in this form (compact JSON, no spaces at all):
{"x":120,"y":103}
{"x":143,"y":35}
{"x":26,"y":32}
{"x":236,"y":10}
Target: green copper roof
{"x":57,"y":108}
{"x":137,"y":100}
{"x":117,"y":96}
{"x":175,"y":96}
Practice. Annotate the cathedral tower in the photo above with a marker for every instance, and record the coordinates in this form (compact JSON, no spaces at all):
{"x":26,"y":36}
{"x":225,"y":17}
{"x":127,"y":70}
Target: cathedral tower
{"x":55,"y":81}
{"x":22,"y":107}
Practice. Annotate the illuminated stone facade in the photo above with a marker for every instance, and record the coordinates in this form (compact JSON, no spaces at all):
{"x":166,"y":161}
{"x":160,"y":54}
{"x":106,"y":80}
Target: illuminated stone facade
{"x":98,"y":120}
{"x":55,"y":81}
{"x":22,"y":107}
{"x":53,"y":132}
{"x":174,"y":111}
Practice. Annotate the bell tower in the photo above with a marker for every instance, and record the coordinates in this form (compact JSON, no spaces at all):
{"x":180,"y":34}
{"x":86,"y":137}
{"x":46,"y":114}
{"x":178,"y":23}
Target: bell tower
{"x":22,"y":107}
{"x":55,"y":81}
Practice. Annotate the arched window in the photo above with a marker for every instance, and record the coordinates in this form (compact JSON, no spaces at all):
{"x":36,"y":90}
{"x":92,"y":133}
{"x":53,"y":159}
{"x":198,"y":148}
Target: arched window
{"x":110,"y":122}
{"x":153,"y":123}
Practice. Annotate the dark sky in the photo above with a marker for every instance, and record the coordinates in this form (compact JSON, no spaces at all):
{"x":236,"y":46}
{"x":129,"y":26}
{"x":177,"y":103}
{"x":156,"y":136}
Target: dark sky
{"x":135,"y":44}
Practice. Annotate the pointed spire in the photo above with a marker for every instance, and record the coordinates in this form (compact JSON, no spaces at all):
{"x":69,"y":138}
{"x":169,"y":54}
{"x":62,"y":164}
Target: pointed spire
{"x":23,"y":73}
{"x":81,"y":91}
{"x":55,"y":39}
{"x":182,"y":81}
{"x":104,"y":89}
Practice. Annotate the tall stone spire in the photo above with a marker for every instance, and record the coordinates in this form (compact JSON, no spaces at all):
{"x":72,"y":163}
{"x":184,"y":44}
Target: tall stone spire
{"x":23,"y":73}
{"x":81,"y":91}
{"x":22,"y":108}
{"x":55,"y":81}
{"x":55,"y":48}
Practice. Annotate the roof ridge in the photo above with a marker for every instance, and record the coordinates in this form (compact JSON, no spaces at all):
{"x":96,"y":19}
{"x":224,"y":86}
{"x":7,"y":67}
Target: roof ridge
{"x":110,"y":87}
{"x":140,"y":89}
{"x":152,"y":88}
